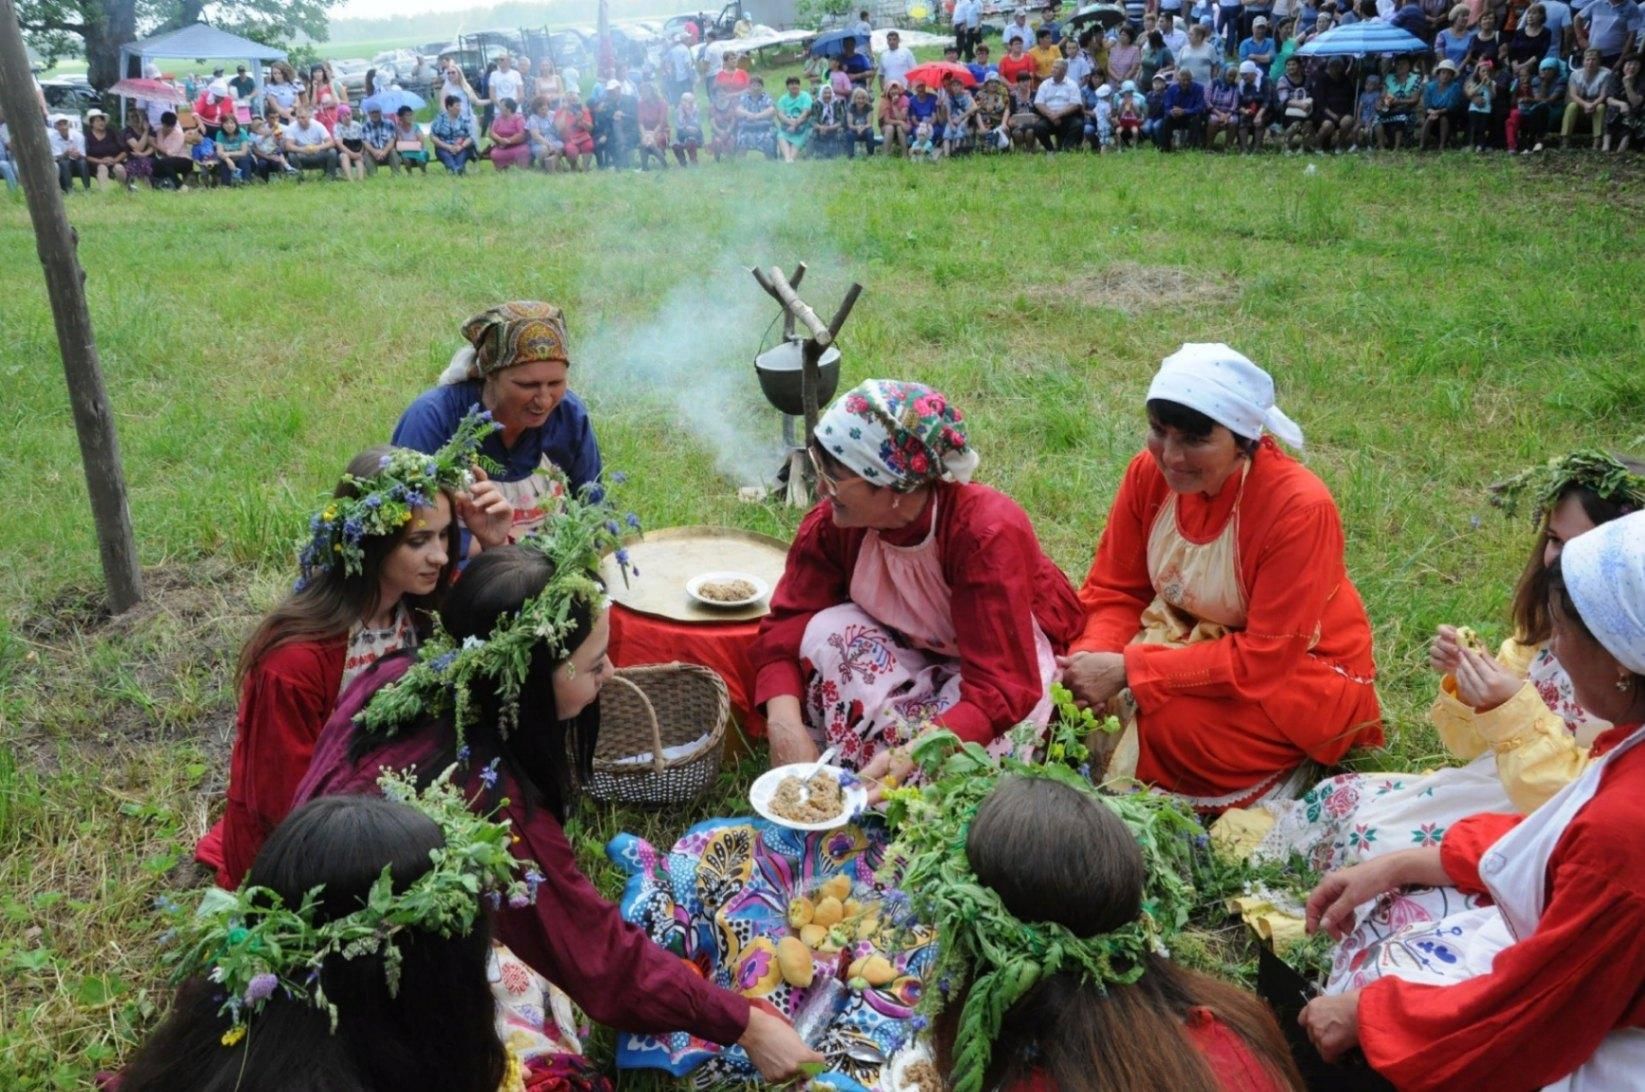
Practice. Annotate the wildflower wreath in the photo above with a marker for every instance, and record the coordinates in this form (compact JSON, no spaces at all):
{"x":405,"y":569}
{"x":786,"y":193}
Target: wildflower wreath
{"x":574,"y":537}
{"x":383,"y":503}
{"x":980,"y":941}
{"x":251,"y":943}
{"x":1542,"y":485}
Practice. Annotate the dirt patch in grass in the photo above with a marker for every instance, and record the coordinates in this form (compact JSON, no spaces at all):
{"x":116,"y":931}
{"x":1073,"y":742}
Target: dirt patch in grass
{"x":1132,"y":288}
{"x":161,"y":672}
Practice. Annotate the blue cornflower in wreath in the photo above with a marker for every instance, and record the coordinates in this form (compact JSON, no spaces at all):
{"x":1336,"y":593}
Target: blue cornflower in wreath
{"x":382,"y":503}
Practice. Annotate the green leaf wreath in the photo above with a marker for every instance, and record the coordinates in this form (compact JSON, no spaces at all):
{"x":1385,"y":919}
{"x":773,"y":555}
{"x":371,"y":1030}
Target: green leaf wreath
{"x":1542,"y":486}
{"x":251,"y":943}
{"x":981,"y":942}
{"x":575,"y":536}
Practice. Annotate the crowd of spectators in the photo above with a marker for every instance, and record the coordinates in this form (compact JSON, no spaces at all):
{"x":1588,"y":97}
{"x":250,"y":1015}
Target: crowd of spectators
{"x":1501,"y":74}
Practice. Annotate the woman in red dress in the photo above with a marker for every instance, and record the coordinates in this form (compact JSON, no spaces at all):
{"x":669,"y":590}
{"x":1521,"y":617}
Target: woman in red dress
{"x":1564,"y":1005}
{"x":912,"y":596}
{"x":1219,"y":600}
{"x":343,"y":616}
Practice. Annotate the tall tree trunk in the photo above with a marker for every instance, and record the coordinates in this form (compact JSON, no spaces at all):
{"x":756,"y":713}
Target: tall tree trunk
{"x":55,"y":241}
{"x":110,"y":24}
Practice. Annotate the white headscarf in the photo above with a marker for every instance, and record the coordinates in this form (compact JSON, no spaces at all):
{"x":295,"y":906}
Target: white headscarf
{"x":1604,"y":571}
{"x":1224,"y":385}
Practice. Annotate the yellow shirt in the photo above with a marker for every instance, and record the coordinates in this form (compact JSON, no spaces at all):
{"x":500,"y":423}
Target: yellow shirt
{"x":1044,"y":59}
{"x":1536,"y":755}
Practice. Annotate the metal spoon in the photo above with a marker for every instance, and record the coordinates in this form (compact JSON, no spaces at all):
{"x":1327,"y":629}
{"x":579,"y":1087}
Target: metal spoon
{"x":805,"y":778}
{"x":866,"y":1053}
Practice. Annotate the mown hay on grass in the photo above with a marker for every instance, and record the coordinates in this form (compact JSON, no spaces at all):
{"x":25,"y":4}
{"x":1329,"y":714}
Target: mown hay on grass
{"x":1131,"y":288}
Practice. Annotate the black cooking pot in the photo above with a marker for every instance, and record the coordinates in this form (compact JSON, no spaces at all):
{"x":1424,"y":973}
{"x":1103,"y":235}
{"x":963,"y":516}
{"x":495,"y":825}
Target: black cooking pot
{"x":779,"y":372}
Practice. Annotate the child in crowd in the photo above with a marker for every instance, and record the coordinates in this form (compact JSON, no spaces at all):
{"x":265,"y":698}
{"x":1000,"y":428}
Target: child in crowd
{"x":1481,"y":92}
{"x":1370,"y":104}
{"x":725,"y":124}
{"x":351,"y":144}
{"x":924,"y":146}
{"x":204,"y":154}
{"x":1099,"y":123}
{"x":859,"y":124}
{"x":1128,"y":123}
{"x":266,"y":149}
{"x":1156,"y":107}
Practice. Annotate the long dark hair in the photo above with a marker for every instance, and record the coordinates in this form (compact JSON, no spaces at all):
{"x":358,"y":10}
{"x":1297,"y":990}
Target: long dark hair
{"x":436,"y":1031}
{"x":1055,"y":854}
{"x":333,"y":601}
{"x":549,"y":755}
{"x":1532,"y":623}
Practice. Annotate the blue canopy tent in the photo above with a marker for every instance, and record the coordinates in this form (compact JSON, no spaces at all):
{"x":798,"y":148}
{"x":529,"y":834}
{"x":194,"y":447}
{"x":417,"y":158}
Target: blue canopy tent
{"x":203,"y":43}
{"x":1363,"y":39}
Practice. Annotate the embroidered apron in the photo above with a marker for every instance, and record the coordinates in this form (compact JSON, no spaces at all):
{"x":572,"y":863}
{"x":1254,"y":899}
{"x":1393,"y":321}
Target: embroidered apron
{"x":1515,"y":872}
{"x":534,"y":496}
{"x":890,"y":657}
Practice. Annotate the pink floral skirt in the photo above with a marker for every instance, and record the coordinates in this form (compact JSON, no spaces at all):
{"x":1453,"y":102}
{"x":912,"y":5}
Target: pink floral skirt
{"x":869,"y":687}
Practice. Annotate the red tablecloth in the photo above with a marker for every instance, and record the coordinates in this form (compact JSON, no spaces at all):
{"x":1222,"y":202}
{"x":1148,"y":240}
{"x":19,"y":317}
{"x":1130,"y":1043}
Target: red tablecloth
{"x":723,"y":646}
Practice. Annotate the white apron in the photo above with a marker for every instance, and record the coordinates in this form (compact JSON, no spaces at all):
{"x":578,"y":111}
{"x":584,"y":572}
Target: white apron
{"x":1515,"y":872}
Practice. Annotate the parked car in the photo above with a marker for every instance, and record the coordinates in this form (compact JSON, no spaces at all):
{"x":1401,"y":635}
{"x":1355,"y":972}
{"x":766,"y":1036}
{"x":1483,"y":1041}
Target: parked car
{"x":405,"y":67}
{"x":70,"y":94}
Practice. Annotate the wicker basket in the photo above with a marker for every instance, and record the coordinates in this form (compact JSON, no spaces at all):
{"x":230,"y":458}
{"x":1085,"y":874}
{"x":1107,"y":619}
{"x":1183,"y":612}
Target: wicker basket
{"x":645,"y":710}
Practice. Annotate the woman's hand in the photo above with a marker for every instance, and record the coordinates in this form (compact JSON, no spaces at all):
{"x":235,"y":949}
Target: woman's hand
{"x":1331,"y":906}
{"x":1332,"y":1024}
{"x":773,"y":1046}
{"x":1482,"y":682}
{"x":1445,"y":652}
{"x":786,"y":733}
{"x":486,"y":513}
{"x":886,"y":770}
{"x":1093,"y":677}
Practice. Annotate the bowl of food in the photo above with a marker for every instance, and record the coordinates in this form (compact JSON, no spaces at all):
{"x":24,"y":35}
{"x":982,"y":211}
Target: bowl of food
{"x":828,"y":799}
{"x":727,"y":590}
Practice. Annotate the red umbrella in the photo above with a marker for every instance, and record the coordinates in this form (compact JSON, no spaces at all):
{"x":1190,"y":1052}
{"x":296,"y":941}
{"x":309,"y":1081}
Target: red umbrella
{"x":152,"y":90}
{"x":936,"y":73}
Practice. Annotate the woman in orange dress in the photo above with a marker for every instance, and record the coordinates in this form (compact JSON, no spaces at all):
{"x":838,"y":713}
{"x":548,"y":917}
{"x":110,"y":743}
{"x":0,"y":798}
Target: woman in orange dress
{"x":1221,"y":622}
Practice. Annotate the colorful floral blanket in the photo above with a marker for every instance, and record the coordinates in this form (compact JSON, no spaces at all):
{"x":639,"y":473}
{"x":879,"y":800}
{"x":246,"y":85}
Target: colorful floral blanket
{"x":719,"y":899}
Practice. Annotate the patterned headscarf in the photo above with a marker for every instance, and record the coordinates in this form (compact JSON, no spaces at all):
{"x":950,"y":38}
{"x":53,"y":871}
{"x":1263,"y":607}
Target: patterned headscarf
{"x":510,"y":334}
{"x":1604,"y":571}
{"x":897,"y":434}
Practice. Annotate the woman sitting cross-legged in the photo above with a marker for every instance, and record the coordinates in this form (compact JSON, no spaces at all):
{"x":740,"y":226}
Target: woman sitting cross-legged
{"x":1055,"y":867}
{"x":508,"y":691}
{"x":911,"y":594}
{"x":382,"y":554}
{"x":1560,"y":1003}
{"x":1219,"y":598}
{"x":357,"y":958}
{"x":1515,"y":716}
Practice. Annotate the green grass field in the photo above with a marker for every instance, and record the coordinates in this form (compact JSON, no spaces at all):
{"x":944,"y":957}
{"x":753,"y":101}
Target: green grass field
{"x":1432,"y":324}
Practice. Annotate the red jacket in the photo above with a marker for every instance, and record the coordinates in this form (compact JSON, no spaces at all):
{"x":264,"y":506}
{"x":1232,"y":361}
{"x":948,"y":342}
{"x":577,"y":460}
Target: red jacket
{"x":1002,"y":582}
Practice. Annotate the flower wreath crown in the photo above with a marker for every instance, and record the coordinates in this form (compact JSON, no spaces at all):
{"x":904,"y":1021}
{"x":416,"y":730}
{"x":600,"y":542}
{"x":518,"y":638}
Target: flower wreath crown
{"x":574,"y":537}
{"x":251,"y":943}
{"x":982,"y":942}
{"x":1607,"y":476}
{"x":383,"y":503}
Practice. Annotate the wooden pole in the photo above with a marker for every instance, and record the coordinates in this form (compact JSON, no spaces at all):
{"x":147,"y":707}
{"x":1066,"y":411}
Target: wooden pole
{"x":55,"y":241}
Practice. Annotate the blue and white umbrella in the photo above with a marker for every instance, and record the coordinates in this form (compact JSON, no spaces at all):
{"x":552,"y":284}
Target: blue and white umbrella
{"x":1363,"y":39}
{"x":832,"y":44}
{"x":390,"y":101}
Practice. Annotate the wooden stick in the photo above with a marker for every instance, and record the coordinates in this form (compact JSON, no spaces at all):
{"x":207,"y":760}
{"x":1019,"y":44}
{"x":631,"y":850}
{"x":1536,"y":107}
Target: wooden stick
{"x":844,"y":312}
{"x":798,"y":307}
{"x":55,"y":241}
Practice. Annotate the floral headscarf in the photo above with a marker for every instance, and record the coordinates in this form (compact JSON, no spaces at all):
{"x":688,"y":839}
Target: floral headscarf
{"x":897,"y":434}
{"x":505,"y":336}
